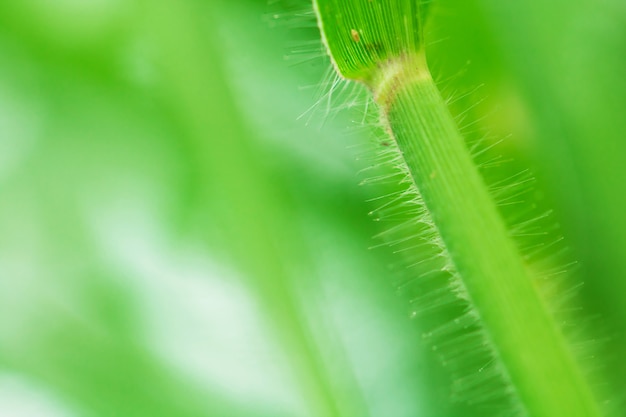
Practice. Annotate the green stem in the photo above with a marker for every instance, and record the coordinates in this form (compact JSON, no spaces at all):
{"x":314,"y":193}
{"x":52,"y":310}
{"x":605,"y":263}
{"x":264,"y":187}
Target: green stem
{"x":525,"y":337}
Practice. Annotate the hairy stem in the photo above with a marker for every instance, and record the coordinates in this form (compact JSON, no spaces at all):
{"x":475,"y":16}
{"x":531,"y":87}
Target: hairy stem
{"x":525,"y":337}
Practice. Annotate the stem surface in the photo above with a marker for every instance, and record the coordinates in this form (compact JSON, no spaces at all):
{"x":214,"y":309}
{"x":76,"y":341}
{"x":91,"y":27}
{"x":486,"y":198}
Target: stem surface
{"x":531,"y":348}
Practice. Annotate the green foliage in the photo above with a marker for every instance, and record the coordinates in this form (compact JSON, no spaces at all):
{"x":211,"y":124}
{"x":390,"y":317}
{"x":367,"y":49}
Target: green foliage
{"x":369,"y":33}
{"x":491,"y":272}
{"x":175,"y":240}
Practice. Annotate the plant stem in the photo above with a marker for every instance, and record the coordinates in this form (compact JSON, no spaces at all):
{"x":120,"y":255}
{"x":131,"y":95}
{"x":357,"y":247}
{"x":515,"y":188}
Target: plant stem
{"x":525,"y":337}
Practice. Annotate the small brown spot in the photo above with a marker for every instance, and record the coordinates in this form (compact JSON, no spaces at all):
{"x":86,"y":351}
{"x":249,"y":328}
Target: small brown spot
{"x":385,"y":143}
{"x":355,"y":35}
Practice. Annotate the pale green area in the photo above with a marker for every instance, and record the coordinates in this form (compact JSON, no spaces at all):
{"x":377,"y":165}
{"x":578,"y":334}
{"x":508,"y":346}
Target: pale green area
{"x":147,"y":150}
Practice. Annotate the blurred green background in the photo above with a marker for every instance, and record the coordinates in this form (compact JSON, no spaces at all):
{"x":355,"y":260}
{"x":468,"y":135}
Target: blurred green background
{"x":182,"y":231}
